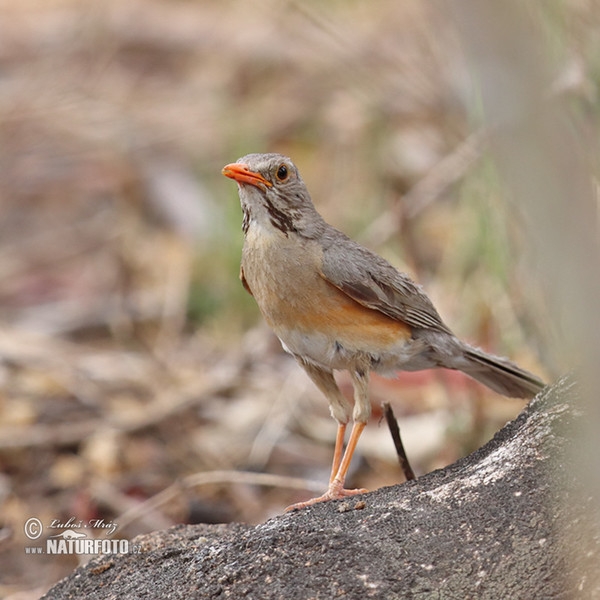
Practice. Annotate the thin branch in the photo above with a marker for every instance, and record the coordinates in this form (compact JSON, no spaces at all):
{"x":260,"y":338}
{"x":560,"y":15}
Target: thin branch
{"x":395,"y":431}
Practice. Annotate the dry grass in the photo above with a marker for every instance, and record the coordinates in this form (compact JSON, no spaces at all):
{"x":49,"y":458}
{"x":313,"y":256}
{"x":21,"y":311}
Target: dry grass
{"x":138,"y":384}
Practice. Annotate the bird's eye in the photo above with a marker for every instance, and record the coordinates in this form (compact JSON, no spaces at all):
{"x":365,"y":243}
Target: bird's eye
{"x":282,"y":173}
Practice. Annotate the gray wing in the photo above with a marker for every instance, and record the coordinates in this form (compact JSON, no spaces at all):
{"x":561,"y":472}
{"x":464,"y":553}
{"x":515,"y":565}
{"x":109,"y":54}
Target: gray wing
{"x":376,"y":284}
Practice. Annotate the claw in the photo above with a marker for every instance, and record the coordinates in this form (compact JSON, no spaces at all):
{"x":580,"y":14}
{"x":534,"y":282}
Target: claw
{"x":336,"y":491}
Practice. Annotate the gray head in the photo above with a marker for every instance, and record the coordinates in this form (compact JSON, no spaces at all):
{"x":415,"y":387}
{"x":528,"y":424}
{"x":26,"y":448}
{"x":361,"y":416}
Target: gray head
{"x":272,"y":193}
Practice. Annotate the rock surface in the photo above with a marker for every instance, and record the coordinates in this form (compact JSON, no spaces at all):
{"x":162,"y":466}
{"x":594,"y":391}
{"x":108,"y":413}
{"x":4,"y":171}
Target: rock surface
{"x":503,"y":522}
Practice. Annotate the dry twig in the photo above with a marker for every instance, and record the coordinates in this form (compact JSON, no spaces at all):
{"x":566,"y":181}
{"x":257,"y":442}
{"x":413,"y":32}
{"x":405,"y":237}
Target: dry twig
{"x":395,"y":431}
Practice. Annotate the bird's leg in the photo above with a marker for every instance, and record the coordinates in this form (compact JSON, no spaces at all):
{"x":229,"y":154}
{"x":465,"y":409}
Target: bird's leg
{"x":336,"y":486}
{"x":362,"y":411}
{"x":326,"y":383}
{"x":339,"y":406}
{"x":336,"y":489}
{"x":337,"y":454}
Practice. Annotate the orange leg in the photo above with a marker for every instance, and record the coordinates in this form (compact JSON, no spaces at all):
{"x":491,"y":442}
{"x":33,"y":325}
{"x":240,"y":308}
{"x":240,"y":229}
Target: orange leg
{"x":336,"y":486}
{"x":337,"y":454}
{"x":357,"y":429}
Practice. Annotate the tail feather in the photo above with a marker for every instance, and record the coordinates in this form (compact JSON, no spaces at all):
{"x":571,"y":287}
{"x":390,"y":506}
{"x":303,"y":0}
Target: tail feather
{"x":500,"y":374}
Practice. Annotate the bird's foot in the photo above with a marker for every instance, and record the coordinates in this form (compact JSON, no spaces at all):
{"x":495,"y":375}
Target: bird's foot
{"x":336,"y":491}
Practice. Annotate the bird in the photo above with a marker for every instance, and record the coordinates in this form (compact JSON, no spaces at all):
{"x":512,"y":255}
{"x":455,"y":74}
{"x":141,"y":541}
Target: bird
{"x":338,"y":306}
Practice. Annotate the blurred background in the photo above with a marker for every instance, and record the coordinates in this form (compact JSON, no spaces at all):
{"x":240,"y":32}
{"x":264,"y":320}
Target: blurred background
{"x":138,"y":383}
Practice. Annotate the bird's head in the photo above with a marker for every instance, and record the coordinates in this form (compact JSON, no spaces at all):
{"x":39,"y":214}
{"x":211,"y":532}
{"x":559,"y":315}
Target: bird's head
{"x":272,"y":192}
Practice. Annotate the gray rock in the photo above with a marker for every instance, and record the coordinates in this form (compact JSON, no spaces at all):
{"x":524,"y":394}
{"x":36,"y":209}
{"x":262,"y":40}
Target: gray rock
{"x":502,"y":523}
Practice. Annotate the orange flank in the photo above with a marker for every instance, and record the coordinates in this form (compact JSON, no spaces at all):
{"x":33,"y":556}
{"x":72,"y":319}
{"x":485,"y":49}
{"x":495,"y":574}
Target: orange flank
{"x":336,"y":315}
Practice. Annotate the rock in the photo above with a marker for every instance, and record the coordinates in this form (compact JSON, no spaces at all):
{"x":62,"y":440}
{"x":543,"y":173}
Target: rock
{"x":504,"y":522}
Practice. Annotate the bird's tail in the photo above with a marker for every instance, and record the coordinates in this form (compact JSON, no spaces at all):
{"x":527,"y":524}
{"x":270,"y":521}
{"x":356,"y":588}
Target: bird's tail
{"x":499,"y":374}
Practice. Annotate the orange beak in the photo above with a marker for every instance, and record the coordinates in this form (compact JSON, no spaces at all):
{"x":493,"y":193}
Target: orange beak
{"x":241,"y":173}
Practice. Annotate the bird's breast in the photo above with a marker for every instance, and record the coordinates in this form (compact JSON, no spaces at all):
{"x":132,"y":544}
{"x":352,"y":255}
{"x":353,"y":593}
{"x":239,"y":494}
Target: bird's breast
{"x":312,"y":317}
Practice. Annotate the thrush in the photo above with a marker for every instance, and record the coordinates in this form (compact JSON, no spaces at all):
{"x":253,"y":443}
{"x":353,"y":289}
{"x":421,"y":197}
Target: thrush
{"x":336,"y":305}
